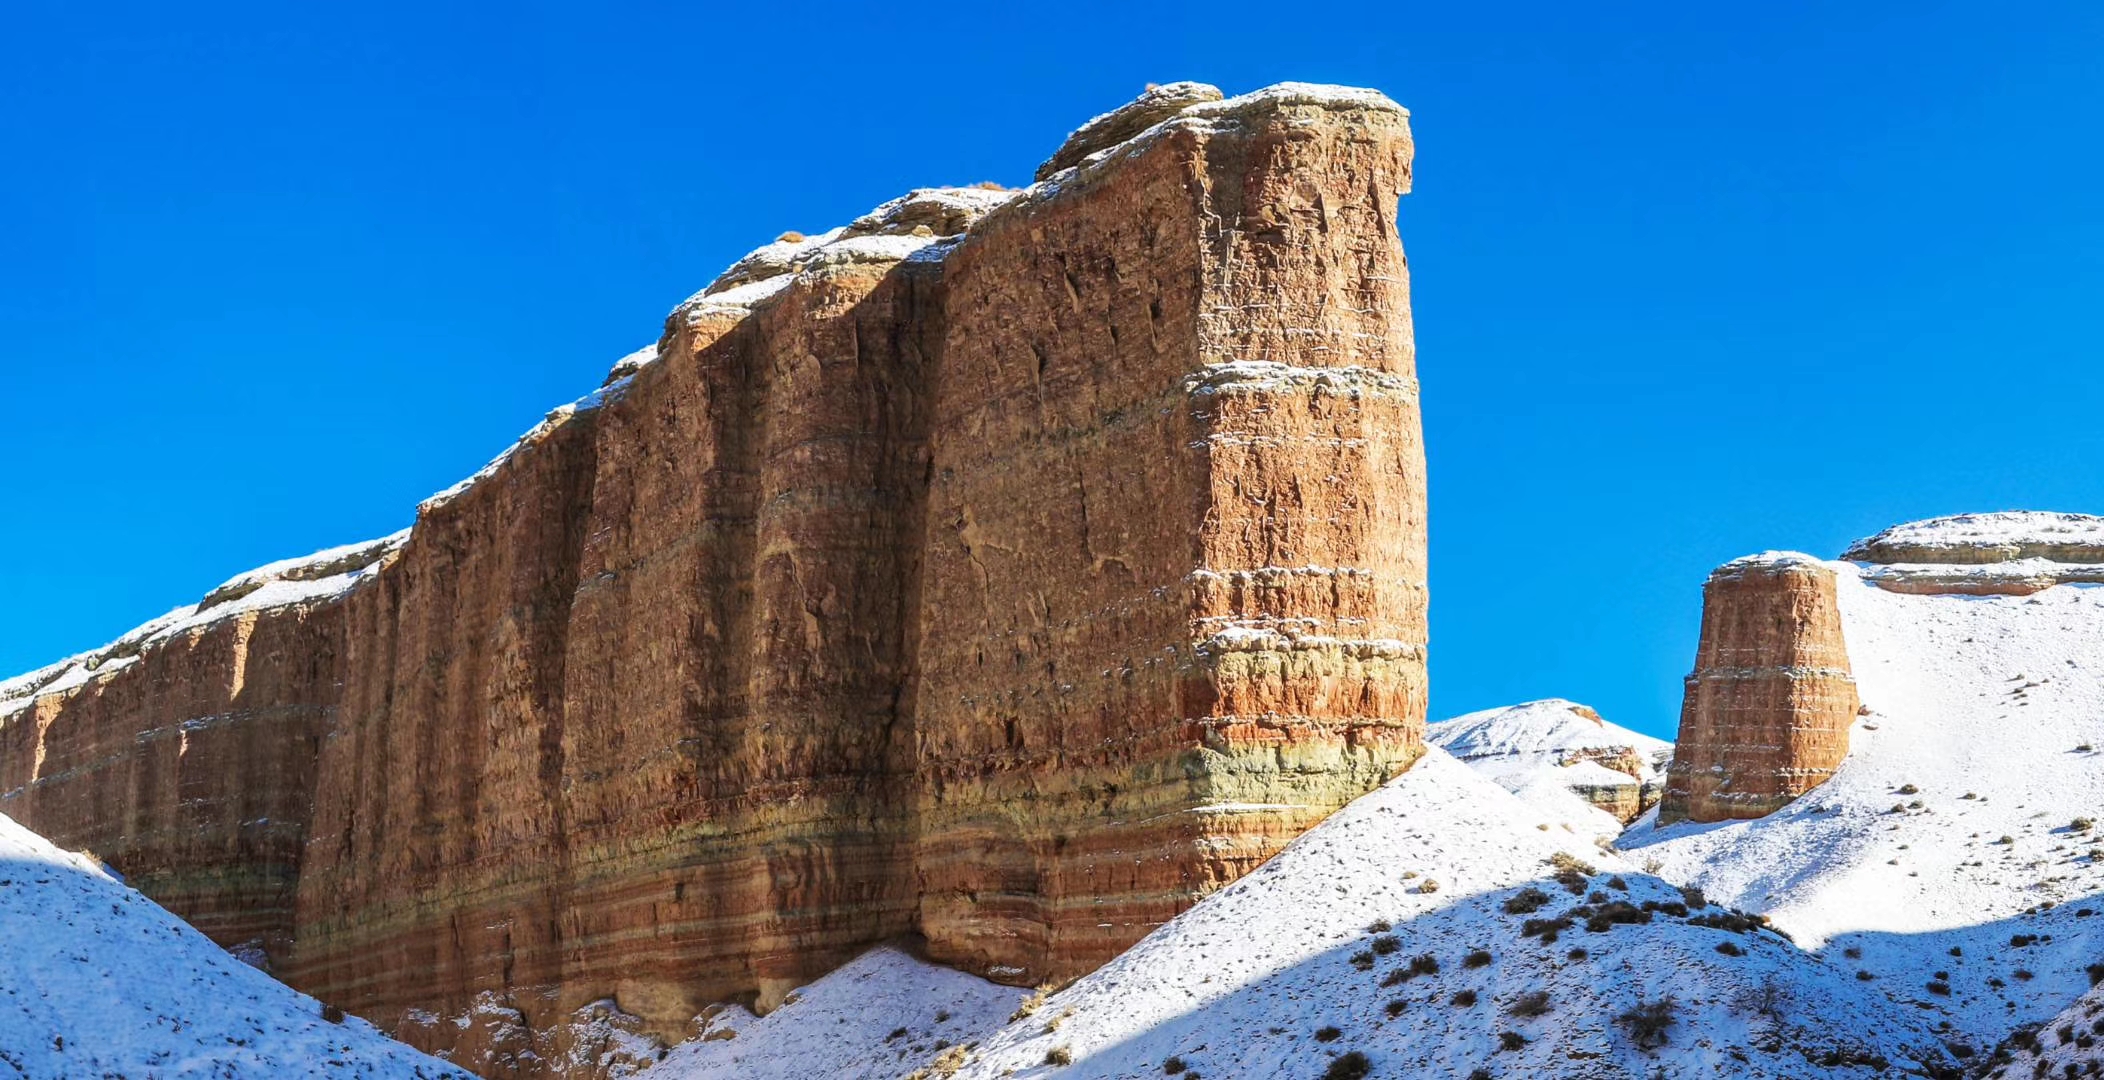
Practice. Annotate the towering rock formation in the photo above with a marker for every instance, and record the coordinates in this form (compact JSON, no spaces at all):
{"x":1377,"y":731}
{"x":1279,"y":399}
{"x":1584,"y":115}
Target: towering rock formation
{"x":1769,"y":707}
{"x":1767,"y":710}
{"x":1011,"y":567}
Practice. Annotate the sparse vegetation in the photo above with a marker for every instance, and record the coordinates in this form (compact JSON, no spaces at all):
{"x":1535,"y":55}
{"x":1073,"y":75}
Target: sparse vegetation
{"x":1730,"y":949}
{"x":1576,"y":954}
{"x":1397,"y":1008}
{"x":1476,"y":959}
{"x":1511,"y":1040}
{"x":1059,"y":1055}
{"x":1529,"y":1005}
{"x":1380,"y":926}
{"x":1327,"y":1034}
{"x":1029,"y":1006}
{"x":1464,"y":998}
{"x":1527,"y":901}
{"x":1348,"y":1066}
{"x":1386,"y":945}
{"x":1173,"y":1065}
{"x":332,"y":1014}
{"x":1363,"y":959}
{"x":1428,"y":885}
{"x":1647,"y":1022}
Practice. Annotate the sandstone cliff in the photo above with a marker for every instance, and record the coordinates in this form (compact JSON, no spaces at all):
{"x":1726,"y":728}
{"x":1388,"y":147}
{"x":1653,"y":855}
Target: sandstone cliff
{"x":1014,"y":567}
{"x":1767,"y":711}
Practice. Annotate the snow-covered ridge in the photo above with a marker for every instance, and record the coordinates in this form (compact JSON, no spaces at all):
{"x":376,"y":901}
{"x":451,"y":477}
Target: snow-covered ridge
{"x":324,"y":575}
{"x":895,"y":231}
{"x":2005,"y":536}
{"x":96,"y":980}
{"x":617,"y":384}
{"x":1561,"y":757}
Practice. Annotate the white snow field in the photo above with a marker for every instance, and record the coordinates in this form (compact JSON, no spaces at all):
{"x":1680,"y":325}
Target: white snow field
{"x":98,"y":981}
{"x":884,"y":1014}
{"x":1951,"y":857}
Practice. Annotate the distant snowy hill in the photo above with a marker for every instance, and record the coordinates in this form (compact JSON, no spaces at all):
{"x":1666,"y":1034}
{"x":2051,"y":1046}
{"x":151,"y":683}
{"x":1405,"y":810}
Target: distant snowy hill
{"x":1952,"y":859}
{"x":1563,"y":757}
{"x":98,"y":981}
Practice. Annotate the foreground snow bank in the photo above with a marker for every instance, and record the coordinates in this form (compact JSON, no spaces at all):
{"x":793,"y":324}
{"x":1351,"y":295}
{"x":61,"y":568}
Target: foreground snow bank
{"x":96,"y":980}
{"x":1399,"y":930}
{"x":883,"y":1015}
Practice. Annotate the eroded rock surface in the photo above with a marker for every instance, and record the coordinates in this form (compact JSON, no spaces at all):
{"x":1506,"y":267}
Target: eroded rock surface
{"x":1011,"y":567}
{"x":1767,"y":710}
{"x":1769,"y":706}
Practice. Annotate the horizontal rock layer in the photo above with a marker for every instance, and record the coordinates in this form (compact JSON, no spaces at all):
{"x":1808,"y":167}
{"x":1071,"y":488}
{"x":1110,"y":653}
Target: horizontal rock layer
{"x":1768,"y":708}
{"x":1017,"y":587}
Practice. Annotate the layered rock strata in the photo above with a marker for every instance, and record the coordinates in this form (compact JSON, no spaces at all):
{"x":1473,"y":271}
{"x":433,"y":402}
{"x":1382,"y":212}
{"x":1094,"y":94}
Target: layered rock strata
{"x":1010,"y":567}
{"x":2012,"y":553}
{"x":1766,"y":713}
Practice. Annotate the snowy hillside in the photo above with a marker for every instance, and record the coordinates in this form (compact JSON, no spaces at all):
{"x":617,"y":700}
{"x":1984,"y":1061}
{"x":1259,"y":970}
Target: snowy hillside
{"x":97,"y":981}
{"x":1557,"y":754}
{"x":1952,"y":858}
{"x":885,"y":1014}
{"x":1404,"y":937}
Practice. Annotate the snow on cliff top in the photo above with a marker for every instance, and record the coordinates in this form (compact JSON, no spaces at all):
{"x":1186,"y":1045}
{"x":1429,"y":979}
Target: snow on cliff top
{"x":2014,"y":530}
{"x":1306,"y":960}
{"x":881,"y":1015}
{"x":310,"y":578}
{"x":96,"y":980}
{"x":1952,"y":822}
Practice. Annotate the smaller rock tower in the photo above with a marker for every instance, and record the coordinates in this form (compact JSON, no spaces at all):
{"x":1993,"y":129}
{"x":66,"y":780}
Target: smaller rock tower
{"x":1768,"y":707}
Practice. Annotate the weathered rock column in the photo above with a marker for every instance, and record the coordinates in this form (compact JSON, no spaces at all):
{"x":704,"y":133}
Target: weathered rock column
{"x":1174,"y":588}
{"x":1767,"y":710}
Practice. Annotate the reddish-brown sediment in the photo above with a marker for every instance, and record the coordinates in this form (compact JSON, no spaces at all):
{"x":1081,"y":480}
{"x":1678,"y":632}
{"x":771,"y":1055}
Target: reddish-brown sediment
{"x":1768,"y":707}
{"x":1017,"y":591}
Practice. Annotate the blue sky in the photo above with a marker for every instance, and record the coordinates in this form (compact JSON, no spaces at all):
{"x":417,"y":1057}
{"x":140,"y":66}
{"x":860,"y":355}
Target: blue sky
{"x":1691,"y":280}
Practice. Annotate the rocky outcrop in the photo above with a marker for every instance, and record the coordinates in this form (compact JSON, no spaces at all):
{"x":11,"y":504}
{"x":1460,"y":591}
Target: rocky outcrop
{"x":2013,"y":553}
{"x":1011,"y":567}
{"x":1767,"y":710}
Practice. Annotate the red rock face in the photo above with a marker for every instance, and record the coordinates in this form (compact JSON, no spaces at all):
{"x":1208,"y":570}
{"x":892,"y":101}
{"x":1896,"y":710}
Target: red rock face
{"x":1019,"y":593}
{"x":1768,"y":708}
{"x":191,"y":770}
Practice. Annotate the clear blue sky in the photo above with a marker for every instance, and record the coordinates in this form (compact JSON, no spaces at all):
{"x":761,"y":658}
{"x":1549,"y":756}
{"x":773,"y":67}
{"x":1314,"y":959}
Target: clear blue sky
{"x":1692,"y":280}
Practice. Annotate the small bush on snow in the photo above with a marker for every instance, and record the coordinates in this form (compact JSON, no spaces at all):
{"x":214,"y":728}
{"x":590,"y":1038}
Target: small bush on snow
{"x":1350,"y":1066}
{"x":1647,"y":1022}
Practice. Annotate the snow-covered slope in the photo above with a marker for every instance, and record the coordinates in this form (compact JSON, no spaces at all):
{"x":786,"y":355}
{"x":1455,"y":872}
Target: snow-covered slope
{"x":885,"y":1014}
{"x":1546,"y":751}
{"x":1306,"y":962}
{"x":97,"y":981}
{"x":1954,"y":840}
